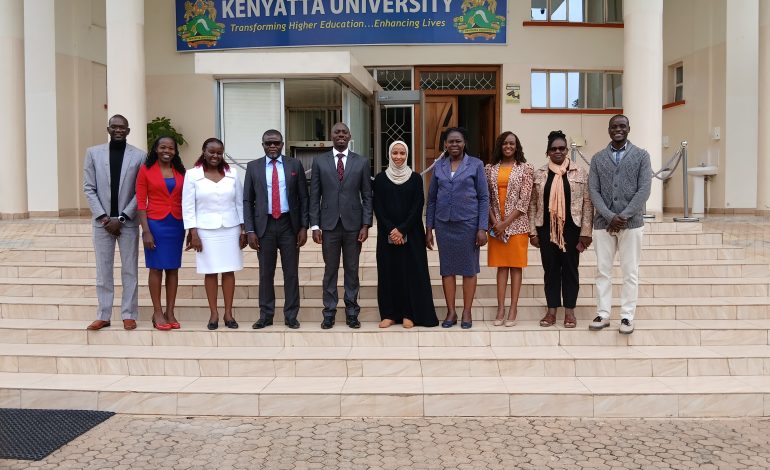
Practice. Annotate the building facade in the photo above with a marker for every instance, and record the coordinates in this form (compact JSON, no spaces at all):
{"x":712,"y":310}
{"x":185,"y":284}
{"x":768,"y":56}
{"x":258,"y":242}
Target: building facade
{"x":682,"y":70}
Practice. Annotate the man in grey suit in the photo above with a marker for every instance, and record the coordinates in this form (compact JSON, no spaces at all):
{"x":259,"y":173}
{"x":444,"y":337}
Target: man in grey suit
{"x":109,"y":183}
{"x":340,"y":217}
{"x":275,"y":203}
{"x":619,"y":184}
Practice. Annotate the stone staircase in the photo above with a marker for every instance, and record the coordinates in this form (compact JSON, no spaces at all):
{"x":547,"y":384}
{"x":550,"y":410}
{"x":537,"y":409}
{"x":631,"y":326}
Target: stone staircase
{"x":701,"y":345}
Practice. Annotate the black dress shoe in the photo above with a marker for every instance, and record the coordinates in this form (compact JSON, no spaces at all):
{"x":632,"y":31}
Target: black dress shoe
{"x":213,"y":325}
{"x":327,"y":323}
{"x":293,"y":323}
{"x":261,"y":323}
{"x":352,"y":321}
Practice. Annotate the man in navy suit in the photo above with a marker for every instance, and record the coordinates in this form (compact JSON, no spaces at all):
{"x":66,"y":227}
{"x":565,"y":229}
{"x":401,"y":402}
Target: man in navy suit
{"x":340,"y":217}
{"x":275,"y":203}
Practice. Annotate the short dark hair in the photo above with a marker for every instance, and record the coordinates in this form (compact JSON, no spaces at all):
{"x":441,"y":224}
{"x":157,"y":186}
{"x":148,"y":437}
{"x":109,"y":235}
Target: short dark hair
{"x":117,"y":116}
{"x":553,"y":136}
{"x":497,"y":152}
{"x":620,"y":116}
{"x":272,"y":132}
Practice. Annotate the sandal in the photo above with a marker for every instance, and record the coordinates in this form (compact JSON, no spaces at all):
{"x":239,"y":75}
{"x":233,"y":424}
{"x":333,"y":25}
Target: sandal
{"x":548,"y":320}
{"x":569,"y":319}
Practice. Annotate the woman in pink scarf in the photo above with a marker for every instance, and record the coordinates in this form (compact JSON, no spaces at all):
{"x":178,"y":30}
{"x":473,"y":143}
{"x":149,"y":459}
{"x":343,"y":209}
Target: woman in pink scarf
{"x":560,"y":214}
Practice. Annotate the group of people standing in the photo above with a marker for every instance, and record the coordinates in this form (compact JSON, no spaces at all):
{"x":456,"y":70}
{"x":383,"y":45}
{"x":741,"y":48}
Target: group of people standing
{"x":507,"y":203}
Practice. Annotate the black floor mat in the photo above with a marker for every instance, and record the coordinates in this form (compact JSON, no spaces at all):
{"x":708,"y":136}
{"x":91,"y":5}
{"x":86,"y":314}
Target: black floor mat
{"x":33,"y":434}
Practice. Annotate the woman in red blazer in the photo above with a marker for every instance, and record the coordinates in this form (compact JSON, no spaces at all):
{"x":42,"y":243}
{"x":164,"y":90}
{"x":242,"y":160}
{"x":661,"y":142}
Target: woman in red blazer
{"x":159,"y":201}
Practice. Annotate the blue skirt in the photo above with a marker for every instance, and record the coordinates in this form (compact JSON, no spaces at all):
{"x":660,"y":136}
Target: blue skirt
{"x":169,"y":240}
{"x":457,"y":251}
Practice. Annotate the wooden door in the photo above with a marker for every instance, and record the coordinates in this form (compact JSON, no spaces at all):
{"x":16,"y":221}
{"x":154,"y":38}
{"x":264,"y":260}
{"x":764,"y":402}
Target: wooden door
{"x":488,"y":128}
{"x":440,"y":114}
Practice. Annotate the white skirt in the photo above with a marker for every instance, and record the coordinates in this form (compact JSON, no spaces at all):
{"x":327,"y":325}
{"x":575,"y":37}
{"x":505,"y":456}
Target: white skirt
{"x":221,"y":251}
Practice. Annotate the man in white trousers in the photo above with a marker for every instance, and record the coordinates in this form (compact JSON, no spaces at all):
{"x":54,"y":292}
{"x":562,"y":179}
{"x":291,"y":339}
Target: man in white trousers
{"x":619,"y":184}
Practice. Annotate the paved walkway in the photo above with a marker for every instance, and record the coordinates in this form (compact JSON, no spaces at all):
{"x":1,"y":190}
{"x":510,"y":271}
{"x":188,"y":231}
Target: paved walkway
{"x":138,"y":442}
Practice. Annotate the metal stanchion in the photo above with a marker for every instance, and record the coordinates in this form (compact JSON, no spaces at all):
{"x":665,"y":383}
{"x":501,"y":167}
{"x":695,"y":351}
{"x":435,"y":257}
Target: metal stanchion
{"x":686,"y":217}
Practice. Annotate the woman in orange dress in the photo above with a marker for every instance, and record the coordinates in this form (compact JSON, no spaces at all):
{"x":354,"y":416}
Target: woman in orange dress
{"x":509,"y":177}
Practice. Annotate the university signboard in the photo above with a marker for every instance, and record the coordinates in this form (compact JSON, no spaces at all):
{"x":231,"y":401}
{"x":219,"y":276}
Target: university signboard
{"x":236,"y":24}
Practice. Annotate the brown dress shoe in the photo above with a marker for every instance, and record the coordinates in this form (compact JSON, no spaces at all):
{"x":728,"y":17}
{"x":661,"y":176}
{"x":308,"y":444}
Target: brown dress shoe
{"x":98,"y":325}
{"x":129,"y":324}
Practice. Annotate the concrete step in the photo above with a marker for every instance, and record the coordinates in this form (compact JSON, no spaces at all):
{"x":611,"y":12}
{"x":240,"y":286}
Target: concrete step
{"x":368,"y":255}
{"x":312,"y":289}
{"x":368,"y":270}
{"x":597,"y":397}
{"x":247,"y":310}
{"x":650,"y":239}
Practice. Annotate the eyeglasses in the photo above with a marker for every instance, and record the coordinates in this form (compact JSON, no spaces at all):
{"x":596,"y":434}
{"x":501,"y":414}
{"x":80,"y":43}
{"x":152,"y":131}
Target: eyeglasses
{"x":557,"y":149}
{"x":272,"y":143}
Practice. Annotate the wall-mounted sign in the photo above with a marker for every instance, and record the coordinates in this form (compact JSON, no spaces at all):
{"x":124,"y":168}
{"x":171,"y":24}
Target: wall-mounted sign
{"x":234,"y":24}
{"x":512,"y":93}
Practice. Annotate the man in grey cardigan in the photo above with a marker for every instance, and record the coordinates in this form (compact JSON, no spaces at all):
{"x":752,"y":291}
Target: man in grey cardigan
{"x":619,"y":184}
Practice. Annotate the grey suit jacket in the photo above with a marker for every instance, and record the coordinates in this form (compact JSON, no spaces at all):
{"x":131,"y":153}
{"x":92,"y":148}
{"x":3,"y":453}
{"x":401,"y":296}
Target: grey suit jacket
{"x":349,"y":201}
{"x":255,"y":195}
{"x":96,"y":181}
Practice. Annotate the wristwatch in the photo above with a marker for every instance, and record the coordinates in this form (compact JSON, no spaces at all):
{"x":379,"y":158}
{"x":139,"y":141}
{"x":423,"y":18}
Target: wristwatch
{"x":122,"y":219}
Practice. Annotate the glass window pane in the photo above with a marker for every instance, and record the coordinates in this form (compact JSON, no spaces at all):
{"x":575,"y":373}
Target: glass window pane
{"x":614,"y":91}
{"x":539,"y":10}
{"x":557,"y":88}
{"x":558,"y":10}
{"x":247,"y":110}
{"x":575,"y":98}
{"x":679,"y":93}
{"x":539,"y":90}
{"x":614,"y":11}
{"x":679,"y":74}
{"x":595,"y":11}
{"x":576,"y":11}
{"x":594,"y":89}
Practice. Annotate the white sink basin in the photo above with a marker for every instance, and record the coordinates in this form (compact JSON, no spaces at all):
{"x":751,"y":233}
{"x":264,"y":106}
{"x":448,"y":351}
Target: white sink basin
{"x":702,"y":171}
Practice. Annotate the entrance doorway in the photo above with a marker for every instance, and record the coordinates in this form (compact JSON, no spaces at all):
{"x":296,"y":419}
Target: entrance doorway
{"x":460,"y":97}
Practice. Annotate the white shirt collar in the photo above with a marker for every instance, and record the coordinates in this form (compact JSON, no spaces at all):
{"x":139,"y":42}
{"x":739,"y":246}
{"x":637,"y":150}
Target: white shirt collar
{"x":344,"y":152}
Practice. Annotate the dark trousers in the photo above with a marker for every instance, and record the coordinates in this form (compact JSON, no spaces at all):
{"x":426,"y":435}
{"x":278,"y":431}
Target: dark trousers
{"x":278,"y":236}
{"x":561,"y":278}
{"x":335,"y":242}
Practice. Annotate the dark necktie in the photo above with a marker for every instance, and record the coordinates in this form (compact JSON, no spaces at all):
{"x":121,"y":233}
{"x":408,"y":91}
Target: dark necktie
{"x":340,"y":167}
{"x":276,"y":195}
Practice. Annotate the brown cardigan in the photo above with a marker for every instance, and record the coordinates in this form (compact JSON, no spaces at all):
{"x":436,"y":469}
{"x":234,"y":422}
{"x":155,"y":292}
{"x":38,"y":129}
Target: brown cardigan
{"x":580,"y":205}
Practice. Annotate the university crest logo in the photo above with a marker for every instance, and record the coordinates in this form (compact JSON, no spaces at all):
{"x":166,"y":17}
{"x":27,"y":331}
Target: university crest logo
{"x":201,"y":27}
{"x":479,"y":19}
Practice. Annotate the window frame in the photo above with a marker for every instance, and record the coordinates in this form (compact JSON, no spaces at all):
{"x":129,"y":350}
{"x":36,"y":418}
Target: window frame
{"x":567,"y":22}
{"x":583,"y":85}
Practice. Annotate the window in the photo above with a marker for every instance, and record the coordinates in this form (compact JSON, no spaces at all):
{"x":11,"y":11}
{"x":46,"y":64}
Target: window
{"x":578,"y":11}
{"x":573,"y":89}
{"x":676,"y":80}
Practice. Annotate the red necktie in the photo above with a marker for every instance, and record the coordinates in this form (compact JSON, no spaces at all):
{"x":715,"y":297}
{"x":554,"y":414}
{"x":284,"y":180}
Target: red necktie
{"x":340,"y":167}
{"x":276,"y":195}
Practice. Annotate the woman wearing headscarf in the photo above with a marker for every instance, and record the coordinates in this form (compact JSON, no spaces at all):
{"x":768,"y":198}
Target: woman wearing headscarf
{"x":404,"y":292}
{"x":560,"y":215}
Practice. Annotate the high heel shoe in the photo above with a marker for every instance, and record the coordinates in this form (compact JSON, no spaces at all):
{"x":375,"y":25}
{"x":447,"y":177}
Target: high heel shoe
{"x":163,"y":327}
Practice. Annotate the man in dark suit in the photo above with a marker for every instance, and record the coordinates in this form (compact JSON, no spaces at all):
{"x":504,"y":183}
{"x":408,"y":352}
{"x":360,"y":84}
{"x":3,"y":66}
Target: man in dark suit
{"x":340,"y":217}
{"x":275,"y":203}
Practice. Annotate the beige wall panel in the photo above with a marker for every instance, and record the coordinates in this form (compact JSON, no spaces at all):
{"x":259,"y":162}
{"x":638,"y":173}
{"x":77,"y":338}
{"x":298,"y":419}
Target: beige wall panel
{"x":189,"y":101}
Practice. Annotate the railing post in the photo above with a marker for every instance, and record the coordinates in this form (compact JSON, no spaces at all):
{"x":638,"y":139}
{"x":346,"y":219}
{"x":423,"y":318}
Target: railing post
{"x":685,"y":189}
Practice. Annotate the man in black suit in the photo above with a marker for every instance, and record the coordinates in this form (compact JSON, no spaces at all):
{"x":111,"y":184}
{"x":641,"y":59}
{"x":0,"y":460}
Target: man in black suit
{"x":275,"y":203}
{"x":340,"y":217}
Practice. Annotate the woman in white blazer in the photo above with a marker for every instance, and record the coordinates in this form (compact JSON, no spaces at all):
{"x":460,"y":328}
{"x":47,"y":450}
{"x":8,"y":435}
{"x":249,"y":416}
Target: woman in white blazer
{"x":212,"y":209}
